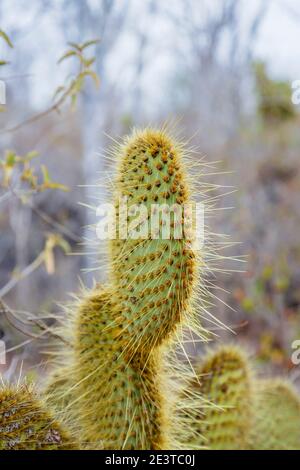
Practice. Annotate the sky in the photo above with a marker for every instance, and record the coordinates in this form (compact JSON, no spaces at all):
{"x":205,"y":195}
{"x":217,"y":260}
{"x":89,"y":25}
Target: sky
{"x":277,"y":44}
{"x":279,"y":39}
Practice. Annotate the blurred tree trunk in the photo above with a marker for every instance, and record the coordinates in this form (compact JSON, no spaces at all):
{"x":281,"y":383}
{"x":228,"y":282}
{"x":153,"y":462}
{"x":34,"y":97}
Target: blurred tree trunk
{"x":216,"y":56}
{"x":16,"y":77}
{"x":103,"y":22}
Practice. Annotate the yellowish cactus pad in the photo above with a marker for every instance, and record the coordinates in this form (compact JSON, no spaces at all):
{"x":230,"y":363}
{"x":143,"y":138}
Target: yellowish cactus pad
{"x":277,"y":416}
{"x":25,"y":424}
{"x":220,"y":398}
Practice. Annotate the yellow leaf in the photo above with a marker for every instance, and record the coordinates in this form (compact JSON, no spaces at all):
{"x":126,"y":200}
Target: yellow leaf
{"x":67,"y":55}
{"x":49,"y":256}
{"x":31,"y":155}
{"x":10,"y":158}
{"x":45,"y":173}
{"x":49,"y":262}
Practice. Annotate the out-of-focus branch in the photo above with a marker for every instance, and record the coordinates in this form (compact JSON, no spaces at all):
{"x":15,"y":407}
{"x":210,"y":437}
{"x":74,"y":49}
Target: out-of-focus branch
{"x":46,"y":218}
{"x":24,"y":273}
{"x":63,"y":93}
{"x":30,"y":319}
{"x":55,"y":107}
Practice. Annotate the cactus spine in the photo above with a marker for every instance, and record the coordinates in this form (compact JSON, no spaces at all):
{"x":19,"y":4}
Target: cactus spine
{"x":120,"y":331}
{"x":25,"y":424}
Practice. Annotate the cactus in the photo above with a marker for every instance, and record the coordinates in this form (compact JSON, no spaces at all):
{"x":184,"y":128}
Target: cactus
{"x":111,"y":394}
{"x":59,"y":387}
{"x":113,"y":389}
{"x":120,"y":331}
{"x":277,"y":416}
{"x":248,"y":413}
{"x":155,"y":277}
{"x":224,"y":380}
{"x":25,"y":423}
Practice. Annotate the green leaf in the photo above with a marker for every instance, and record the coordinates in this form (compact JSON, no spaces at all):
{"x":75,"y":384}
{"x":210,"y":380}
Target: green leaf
{"x":67,"y":55}
{"x":247,"y":304}
{"x":48,"y":183}
{"x":75,"y":46}
{"x":6,"y":38}
{"x":78,"y":84}
{"x":89,"y":62}
{"x":45,"y":173}
{"x":65,"y":246}
{"x":73,"y":102}
{"x":10,"y":158}
{"x":92,"y":42}
{"x":3,"y":62}
{"x":52,"y":185}
{"x":31,"y":155}
{"x":267,"y":273}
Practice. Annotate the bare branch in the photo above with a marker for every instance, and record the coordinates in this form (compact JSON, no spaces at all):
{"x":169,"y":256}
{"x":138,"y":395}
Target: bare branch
{"x":47,"y":219}
{"x":24,"y":273}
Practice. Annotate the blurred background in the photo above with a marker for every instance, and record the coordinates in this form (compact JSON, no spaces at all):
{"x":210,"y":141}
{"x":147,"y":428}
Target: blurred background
{"x":79,"y":74}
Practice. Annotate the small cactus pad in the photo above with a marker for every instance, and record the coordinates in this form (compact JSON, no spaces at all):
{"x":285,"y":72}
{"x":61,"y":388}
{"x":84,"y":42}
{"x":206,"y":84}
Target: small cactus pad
{"x":222,"y":412}
{"x":116,"y":399}
{"x":277,"y":416}
{"x":26,"y":425}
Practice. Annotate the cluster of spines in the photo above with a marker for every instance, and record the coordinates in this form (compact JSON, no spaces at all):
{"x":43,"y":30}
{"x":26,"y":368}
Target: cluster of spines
{"x":25,"y":423}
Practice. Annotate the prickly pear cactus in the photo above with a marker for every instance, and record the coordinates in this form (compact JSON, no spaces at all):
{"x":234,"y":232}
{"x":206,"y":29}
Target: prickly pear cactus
{"x":25,"y":424}
{"x":277,"y":416}
{"x":112,"y":394}
{"x":221,"y":395}
{"x":115,"y":387}
{"x":120,"y":331}
{"x":155,"y":277}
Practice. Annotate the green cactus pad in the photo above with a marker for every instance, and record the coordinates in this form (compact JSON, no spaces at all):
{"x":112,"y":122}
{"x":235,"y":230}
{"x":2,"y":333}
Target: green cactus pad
{"x":115,"y":399}
{"x":221,"y":396}
{"x":154,"y":277}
